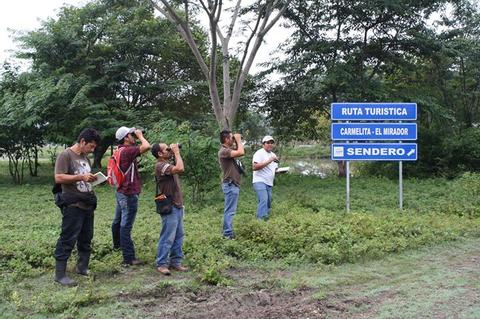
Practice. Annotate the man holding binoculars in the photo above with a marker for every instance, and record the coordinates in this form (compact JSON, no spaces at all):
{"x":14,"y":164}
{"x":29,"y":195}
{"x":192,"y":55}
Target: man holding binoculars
{"x":127,"y":193}
{"x":231,"y":148}
{"x":169,"y":165}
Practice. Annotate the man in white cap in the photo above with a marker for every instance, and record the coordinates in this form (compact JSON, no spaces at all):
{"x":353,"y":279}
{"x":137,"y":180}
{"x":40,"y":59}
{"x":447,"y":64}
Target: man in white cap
{"x":127,"y":193}
{"x":264,"y":165}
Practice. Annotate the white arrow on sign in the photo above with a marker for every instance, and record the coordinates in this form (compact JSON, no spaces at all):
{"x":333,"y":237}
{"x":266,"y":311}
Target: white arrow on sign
{"x":411,"y":152}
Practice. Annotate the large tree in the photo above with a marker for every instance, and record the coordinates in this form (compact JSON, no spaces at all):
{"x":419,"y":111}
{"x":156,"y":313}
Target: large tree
{"x":21,"y":125}
{"x":256,"y":19}
{"x":110,"y":63}
{"x":355,"y":51}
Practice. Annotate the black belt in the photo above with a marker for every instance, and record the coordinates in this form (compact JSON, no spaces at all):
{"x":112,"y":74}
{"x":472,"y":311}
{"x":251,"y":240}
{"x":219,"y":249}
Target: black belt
{"x":231,"y":181}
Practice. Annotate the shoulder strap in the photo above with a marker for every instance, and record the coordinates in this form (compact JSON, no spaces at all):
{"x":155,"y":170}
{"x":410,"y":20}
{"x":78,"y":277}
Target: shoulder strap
{"x":131,"y":167}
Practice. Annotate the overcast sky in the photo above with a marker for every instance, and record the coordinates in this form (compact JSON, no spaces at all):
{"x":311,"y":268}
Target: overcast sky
{"x":26,"y":15}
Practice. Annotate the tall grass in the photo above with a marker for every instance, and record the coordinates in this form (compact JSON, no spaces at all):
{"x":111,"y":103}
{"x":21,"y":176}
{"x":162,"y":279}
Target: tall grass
{"x":308,"y":223}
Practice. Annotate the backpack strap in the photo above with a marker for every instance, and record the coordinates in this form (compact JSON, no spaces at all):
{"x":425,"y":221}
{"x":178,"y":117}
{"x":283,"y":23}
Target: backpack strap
{"x":130,"y":168}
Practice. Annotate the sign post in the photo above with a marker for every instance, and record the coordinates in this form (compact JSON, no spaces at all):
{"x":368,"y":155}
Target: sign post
{"x":348,"y":187}
{"x":400,"y":181}
{"x":369,"y":126}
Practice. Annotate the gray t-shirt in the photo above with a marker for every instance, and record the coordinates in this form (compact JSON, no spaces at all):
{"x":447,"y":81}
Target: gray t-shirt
{"x":68,"y":162}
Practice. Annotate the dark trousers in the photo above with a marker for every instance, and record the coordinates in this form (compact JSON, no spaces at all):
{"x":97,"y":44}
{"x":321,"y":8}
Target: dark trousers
{"x":77,"y":227}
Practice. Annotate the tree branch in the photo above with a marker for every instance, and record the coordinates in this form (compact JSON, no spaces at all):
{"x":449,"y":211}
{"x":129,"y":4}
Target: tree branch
{"x":186,"y":33}
{"x":263,"y":29}
{"x":171,"y":15}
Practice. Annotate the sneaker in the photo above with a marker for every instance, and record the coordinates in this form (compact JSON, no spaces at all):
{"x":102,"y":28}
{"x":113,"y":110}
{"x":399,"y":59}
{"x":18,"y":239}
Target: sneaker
{"x":164,"y":270}
{"x":178,"y":268}
{"x":228,"y":236}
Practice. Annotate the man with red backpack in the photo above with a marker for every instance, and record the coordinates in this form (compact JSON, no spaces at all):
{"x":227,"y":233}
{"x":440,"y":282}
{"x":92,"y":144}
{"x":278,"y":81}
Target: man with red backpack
{"x":127,"y":191}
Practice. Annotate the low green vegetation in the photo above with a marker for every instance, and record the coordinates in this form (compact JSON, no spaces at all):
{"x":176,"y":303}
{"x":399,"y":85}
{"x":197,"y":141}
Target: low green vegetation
{"x":308,"y":226}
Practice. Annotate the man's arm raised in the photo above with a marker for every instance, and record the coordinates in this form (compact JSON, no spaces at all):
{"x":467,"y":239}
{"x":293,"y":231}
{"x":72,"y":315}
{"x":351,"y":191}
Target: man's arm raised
{"x":178,"y":168}
{"x":145,"y":146}
{"x":240,"y":151}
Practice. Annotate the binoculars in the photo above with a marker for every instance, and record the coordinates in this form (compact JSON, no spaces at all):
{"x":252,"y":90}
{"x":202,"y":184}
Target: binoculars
{"x":179,"y":147}
{"x":141,"y":130}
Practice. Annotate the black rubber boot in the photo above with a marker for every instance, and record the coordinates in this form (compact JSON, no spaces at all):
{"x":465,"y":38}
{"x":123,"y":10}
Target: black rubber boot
{"x":82,"y":264}
{"x":60,"y":276}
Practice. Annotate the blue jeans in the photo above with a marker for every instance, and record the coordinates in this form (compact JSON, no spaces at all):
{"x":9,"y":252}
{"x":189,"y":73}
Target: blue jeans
{"x":169,"y":251}
{"x":122,"y":225}
{"x":264,"y":198}
{"x":231,"y":192}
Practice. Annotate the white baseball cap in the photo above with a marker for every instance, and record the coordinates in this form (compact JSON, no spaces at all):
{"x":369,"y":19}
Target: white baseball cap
{"x":123,"y":131}
{"x":267,"y":138}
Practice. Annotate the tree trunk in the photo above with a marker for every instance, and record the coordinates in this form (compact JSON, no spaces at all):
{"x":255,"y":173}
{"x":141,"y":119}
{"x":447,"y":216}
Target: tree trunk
{"x":36,"y":163}
{"x":13,"y":162}
{"x":98,"y":155}
{"x":33,"y":163}
{"x":224,"y":114}
{"x":100,"y":151}
{"x":342,"y":169}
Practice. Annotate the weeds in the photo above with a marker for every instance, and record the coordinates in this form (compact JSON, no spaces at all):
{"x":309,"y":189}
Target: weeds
{"x":308,"y":225}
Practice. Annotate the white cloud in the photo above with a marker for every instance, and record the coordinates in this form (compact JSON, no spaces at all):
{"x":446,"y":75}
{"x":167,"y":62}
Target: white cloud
{"x":25,"y":15}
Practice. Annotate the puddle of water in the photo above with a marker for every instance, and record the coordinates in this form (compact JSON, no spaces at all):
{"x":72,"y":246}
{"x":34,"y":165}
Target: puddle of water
{"x":320,"y":167}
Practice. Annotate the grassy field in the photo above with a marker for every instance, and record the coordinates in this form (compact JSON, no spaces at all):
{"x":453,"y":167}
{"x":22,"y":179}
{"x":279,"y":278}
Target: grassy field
{"x":308,"y":242}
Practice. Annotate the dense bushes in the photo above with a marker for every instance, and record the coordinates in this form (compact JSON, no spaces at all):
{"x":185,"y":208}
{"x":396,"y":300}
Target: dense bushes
{"x":198,"y":152}
{"x":441,"y":153}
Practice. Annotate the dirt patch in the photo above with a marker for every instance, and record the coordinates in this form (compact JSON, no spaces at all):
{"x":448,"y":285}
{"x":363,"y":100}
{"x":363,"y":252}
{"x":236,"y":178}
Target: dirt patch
{"x":430,"y":284}
{"x":256,"y":304}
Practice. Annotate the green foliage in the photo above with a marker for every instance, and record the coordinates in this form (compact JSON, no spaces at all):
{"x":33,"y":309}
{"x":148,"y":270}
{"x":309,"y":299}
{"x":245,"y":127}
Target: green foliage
{"x":21,"y":126}
{"x":308,"y":226}
{"x":448,"y":155}
{"x":377,"y":51}
{"x":103,"y":65}
{"x":198,"y":152}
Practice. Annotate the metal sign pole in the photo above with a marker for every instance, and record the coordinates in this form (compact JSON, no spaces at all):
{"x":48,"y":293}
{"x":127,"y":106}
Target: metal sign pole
{"x":348,"y":187}
{"x":400,"y":185}
{"x":400,"y":182}
{"x":374,"y":131}
{"x":347,"y":200}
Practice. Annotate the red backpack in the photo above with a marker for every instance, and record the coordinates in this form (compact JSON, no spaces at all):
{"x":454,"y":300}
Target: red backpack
{"x":115,"y":175}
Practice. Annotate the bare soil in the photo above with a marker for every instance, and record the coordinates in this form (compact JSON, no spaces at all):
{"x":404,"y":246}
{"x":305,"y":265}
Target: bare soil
{"x":442,"y":282}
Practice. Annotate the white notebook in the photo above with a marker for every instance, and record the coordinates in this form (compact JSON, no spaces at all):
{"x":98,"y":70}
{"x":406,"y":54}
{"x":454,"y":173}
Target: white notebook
{"x":100,"y":179}
{"x":282,"y":169}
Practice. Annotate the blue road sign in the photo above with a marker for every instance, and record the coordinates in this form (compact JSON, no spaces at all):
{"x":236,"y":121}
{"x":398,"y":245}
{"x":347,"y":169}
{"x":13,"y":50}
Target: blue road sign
{"x":374,"y":151}
{"x":374,"y":131}
{"x":374,"y":111}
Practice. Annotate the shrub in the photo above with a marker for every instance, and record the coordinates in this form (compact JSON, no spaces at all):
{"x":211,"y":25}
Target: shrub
{"x":198,"y":153}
